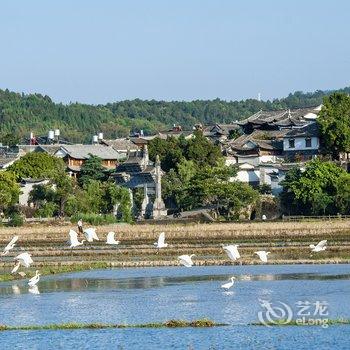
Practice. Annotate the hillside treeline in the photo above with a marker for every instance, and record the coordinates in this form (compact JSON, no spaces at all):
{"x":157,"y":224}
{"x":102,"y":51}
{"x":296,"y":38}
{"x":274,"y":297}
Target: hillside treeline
{"x":21,"y":113}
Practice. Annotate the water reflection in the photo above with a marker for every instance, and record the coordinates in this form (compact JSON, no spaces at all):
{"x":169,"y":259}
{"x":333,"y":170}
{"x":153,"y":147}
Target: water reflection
{"x":34,"y":290}
{"x":159,"y":294}
{"x":96,"y":284}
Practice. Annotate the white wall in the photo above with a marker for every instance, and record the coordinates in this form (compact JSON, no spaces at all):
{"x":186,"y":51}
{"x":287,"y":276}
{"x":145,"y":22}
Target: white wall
{"x":300,"y":144}
{"x":26,"y":189}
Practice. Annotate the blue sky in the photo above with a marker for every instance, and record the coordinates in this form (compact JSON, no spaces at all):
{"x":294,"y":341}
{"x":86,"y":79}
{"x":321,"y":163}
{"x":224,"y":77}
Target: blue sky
{"x":100,"y":51}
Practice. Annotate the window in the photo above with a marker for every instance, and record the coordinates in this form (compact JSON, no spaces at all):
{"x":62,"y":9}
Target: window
{"x":291,"y":143}
{"x":308,"y":142}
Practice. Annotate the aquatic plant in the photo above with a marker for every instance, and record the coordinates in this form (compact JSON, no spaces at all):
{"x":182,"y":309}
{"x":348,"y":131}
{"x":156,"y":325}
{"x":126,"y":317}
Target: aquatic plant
{"x":66,"y":326}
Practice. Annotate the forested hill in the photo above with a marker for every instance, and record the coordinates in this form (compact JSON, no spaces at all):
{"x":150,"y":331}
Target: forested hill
{"x":20,"y":114}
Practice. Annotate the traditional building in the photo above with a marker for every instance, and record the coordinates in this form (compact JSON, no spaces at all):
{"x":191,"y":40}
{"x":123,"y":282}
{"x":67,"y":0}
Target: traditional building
{"x":302,"y":143}
{"x":76,"y":155}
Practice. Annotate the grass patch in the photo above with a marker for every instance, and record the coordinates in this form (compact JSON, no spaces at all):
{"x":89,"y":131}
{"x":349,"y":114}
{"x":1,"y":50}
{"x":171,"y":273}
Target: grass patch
{"x":64,"y":326}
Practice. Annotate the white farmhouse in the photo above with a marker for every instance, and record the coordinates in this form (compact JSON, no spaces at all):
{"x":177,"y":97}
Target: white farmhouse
{"x":302,"y":142}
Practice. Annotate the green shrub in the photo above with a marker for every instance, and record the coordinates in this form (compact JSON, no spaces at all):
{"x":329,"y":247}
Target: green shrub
{"x":16,"y":220}
{"x":48,"y":210}
{"x":95,"y":219}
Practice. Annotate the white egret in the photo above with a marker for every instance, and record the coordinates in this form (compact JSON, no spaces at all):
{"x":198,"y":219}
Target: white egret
{"x":161,"y":241}
{"x":34,"y":280}
{"x":111,"y":239}
{"x":23,"y":259}
{"x":228,"y":285}
{"x":186,"y":260}
{"x":73,"y":239}
{"x":319,"y":247}
{"x":90,"y":234}
{"x":10,"y":245}
{"x":262,"y":255}
{"x":232,"y":251}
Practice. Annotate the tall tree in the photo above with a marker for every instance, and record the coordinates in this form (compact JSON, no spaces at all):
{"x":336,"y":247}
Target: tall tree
{"x":92,"y":169}
{"x":334,"y":122}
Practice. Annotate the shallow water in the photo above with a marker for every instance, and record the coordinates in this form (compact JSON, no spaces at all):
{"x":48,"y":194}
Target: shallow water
{"x":142,"y":295}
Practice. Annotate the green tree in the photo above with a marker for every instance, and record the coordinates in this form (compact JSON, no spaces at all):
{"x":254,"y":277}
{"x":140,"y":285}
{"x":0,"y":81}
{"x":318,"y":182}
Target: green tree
{"x":317,"y":189}
{"x":202,"y":151}
{"x":9,"y":190}
{"x":92,"y":169}
{"x":334,"y":122}
{"x":38,"y":165}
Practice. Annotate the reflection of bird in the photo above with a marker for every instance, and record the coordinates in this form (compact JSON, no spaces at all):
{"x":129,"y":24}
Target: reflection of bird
{"x":161,"y":241}
{"x":16,"y":289}
{"x":111,"y":239}
{"x":73,"y":239}
{"x":23,"y":259}
{"x":319,"y":247}
{"x":262,"y":255}
{"x":34,"y":290}
{"x":10,"y":245}
{"x":228,"y":285}
{"x":34,"y":280}
{"x":232,"y":251}
{"x":90,"y":234}
{"x":186,"y":260}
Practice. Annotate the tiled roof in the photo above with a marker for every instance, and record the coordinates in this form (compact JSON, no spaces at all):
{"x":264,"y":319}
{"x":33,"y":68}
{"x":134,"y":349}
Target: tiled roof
{"x":280,"y":117}
{"x":121,"y":144}
{"x":84,"y":151}
{"x":309,"y":130}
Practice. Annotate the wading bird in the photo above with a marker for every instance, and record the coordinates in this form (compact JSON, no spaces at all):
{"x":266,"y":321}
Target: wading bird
{"x":73,"y":239}
{"x":319,"y":247}
{"x":34,"y":280}
{"x":161,"y":241}
{"x":90,"y":234}
{"x":186,"y":260}
{"x":228,"y":285}
{"x":10,"y":245}
{"x":111,"y":239}
{"x":23,"y":259}
{"x":262,"y":255}
{"x":232,"y":251}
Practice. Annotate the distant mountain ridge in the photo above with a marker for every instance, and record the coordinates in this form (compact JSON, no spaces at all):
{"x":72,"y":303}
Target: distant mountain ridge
{"x":22,"y":113}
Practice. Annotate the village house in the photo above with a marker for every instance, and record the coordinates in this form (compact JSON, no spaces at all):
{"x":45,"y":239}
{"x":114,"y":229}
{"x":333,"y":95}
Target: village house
{"x":75,"y":156}
{"x":271,"y":140}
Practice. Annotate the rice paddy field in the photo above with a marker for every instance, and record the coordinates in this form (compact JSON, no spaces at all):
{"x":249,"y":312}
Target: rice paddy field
{"x":288,"y":242}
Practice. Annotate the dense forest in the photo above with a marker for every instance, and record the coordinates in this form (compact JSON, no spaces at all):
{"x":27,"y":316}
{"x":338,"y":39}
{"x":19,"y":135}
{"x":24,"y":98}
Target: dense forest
{"x":21,"y":113}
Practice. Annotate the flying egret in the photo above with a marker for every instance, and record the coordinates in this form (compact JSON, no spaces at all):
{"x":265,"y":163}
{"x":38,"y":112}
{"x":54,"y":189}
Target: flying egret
{"x":228,"y":285}
{"x":111,"y":239}
{"x":186,"y":260}
{"x":262,"y":255}
{"x":90,"y":234}
{"x":161,"y":241}
{"x":23,"y":259}
{"x":232,"y":251}
{"x":10,"y":245}
{"x":73,"y":239}
{"x":319,"y":247}
{"x":34,"y":280}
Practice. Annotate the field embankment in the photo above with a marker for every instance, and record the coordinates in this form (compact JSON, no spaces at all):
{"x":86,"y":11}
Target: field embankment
{"x":288,"y":242}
